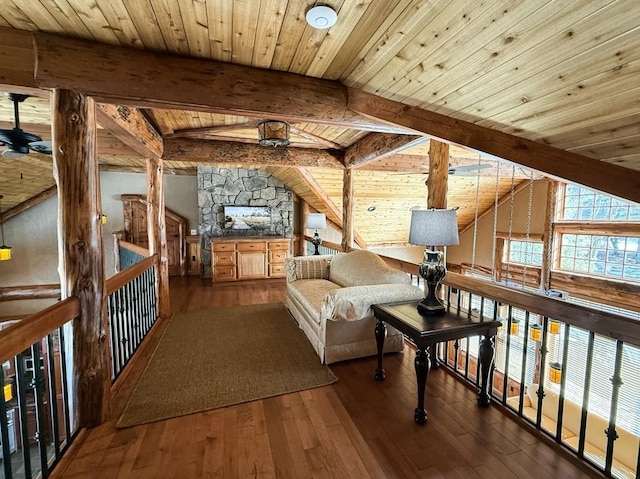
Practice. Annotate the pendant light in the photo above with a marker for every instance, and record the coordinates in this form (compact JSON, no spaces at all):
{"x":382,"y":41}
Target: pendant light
{"x":5,"y":251}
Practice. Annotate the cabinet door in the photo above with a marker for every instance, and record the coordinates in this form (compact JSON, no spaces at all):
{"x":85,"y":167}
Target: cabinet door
{"x":252,"y":264}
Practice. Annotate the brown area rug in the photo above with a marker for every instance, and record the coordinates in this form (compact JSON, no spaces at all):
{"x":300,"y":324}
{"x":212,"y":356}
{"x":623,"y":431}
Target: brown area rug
{"x":218,"y":357}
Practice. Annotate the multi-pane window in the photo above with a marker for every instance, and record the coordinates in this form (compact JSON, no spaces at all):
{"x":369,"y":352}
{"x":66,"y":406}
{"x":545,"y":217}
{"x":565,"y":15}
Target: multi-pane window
{"x":598,"y":234}
{"x":584,"y":204}
{"x":524,"y":252}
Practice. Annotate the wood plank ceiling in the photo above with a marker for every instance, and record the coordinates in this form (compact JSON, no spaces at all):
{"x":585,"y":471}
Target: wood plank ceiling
{"x":560,"y":73}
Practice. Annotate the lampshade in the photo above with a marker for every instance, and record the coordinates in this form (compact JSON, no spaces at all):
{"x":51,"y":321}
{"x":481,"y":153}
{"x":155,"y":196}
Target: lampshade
{"x":316,"y":221}
{"x":434,"y":228}
{"x":273,"y":133}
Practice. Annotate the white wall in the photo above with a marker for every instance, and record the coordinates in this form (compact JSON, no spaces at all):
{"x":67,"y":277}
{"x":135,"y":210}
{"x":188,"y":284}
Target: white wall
{"x":484,"y":237}
{"x":32,"y":235}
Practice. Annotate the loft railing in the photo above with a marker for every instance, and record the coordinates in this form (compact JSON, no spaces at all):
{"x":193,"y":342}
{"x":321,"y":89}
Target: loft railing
{"x":568,"y":370}
{"x":131,"y":304}
{"x":36,"y":408}
{"x":130,"y":254}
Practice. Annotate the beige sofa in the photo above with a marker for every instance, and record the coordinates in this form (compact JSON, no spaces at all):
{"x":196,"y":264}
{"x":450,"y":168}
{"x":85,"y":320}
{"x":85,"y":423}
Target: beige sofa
{"x":331,"y":296}
{"x":625,"y":448}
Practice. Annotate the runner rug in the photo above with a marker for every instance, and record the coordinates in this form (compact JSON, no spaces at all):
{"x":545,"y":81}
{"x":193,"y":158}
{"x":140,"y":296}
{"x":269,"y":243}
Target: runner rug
{"x":222,"y":356}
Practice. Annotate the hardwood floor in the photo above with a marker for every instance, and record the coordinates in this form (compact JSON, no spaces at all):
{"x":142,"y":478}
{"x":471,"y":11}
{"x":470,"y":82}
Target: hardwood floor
{"x":355,"y":428}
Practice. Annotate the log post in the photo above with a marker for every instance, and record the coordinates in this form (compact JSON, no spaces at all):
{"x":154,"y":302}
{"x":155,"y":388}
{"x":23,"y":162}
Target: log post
{"x":304,"y":216}
{"x":80,"y":250}
{"x":437,"y":182}
{"x":157,"y":233}
{"x":347,"y":209}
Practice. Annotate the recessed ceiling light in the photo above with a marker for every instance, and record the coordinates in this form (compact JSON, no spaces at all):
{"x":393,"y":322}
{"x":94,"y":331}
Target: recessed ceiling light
{"x":371,"y":208}
{"x":321,"y":17}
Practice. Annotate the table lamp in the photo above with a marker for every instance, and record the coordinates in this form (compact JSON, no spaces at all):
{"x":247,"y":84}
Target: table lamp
{"x":316,"y":221}
{"x":432,"y":228}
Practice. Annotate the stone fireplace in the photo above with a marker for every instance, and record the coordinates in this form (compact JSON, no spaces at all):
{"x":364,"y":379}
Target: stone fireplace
{"x":219,"y":187}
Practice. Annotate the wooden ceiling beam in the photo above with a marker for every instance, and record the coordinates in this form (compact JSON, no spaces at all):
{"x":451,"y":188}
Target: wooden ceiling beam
{"x":557,"y":163}
{"x":334,"y":215}
{"x":132,"y":128}
{"x":119,"y":75}
{"x":376,"y":146}
{"x":28,"y":204}
{"x":204,"y":151}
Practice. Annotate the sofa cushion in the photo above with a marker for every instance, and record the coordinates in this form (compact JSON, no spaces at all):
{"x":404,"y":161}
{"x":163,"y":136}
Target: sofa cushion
{"x":307,"y":267}
{"x":361,"y":267}
{"x":313,"y":268}
{"x":354,"y":302}
{"x":310,"y":293}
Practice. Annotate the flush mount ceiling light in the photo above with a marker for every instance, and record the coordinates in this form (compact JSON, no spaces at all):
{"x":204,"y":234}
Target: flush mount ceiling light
{"x":321,"y":17}
{"x":273,"y":133}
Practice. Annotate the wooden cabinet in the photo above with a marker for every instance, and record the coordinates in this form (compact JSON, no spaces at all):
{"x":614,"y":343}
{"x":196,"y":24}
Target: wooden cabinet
{"x":193,"y":256}
{"x":237,"y":259}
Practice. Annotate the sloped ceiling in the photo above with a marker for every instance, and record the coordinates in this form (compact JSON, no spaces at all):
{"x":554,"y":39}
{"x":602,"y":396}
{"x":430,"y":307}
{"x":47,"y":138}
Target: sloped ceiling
{"x":560,"y":73}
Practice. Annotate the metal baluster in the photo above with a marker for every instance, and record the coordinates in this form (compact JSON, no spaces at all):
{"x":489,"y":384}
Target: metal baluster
{"x":38,"y":389}
{"x":478,"y":338}
{"x":543,"y":358}
{"x":144,"y":320}
{"x":4,"y":433}
{"x":129,"y":320}
{"x":65,"y":391}
{"x":585,"y":396}
{"x":611,"y":433}
{"x":53,"y":400}
{"x":24,"y":424}
{"x":117,"y":333}
{"x":523,"y":371}
{"x":505,"y":382}
{"x":493,"y":363}
{"x":466,"y":359}
{"x":563,"y":381}
{"x":456,"y":349}
{"x":111,"y":312}
{"x":136,"y":316}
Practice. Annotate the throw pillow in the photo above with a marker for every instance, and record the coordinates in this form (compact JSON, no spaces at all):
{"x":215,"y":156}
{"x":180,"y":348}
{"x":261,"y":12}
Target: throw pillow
{"x":317,"y":268}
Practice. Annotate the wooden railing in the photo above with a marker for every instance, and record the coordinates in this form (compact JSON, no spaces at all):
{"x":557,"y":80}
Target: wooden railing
{"x":130,"y":254}
{"x":559,"y":367}
{"x":132,"y":310}
{"x":36,"y":411}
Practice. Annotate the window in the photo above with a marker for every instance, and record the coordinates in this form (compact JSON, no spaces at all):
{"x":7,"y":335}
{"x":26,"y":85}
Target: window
{"x":523,"y":252}
{"x":597,"y":234}
{"x":583,"y":204}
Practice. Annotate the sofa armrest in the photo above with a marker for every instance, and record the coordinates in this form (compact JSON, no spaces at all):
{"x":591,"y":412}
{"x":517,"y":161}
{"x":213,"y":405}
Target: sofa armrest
{"x":307,"y":267}
{"x":354,"y":302}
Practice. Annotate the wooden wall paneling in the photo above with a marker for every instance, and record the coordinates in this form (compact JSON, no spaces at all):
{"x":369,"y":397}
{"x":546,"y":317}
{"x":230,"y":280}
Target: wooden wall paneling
{"x":157,"y":233}
{"x":81,"y":254}
{"x":289,"y":36}
{"x":266,"y":24}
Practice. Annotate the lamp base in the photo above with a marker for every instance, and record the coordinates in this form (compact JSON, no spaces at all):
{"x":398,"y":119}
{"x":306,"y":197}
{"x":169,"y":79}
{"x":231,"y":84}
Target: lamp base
{"x":427,"y":307}
{"x":432,"y":271}
{"x":316,"y":241}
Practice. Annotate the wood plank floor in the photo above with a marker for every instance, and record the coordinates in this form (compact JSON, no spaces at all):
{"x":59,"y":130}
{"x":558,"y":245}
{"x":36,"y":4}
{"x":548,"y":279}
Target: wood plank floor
{"x":355,"y":428}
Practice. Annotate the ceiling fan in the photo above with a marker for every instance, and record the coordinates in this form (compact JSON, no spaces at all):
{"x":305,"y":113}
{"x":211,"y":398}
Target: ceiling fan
{"x":18,"y":141}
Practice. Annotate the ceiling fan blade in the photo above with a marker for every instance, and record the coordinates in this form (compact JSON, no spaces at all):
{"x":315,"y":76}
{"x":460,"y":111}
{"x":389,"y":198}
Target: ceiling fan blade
{"x":453,"y":170}
{"x":44,"y":147}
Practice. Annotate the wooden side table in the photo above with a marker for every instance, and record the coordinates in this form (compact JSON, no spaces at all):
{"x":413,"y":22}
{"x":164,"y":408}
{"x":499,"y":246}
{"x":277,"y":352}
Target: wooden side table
{"x":425,"y":331}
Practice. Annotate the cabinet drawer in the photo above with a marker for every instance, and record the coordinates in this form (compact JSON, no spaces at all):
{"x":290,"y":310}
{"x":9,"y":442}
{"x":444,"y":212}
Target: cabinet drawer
{"x":224,"y":273}
{"x":278,"y":245}
{"x":276,"y":271}
{"x":277,"y":257}
{"x":224,"y":246}
{"x":224,"y":257}
{"x":257,"y":246}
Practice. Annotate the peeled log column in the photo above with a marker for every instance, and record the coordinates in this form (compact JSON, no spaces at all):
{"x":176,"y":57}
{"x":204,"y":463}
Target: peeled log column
{"x":437,"y":182}
{"x":347,"y":210}
{"x":75,"y":169}
{"x":157,"y":233}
